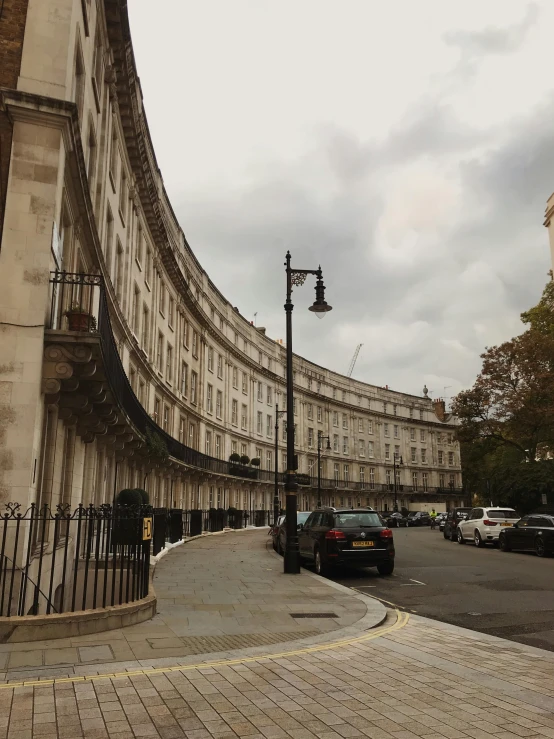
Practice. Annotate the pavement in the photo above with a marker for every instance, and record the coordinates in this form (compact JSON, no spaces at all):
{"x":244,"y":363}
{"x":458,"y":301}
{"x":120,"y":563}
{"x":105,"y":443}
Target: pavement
{"x":362,"y":672}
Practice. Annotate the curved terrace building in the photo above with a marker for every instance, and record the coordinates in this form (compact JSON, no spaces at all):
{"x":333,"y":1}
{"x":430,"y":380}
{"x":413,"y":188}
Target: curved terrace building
{"x":121,"y":364}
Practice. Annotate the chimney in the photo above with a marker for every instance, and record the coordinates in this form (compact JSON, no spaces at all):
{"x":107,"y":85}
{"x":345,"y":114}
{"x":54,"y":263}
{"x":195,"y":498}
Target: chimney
{"x":440,"y":408}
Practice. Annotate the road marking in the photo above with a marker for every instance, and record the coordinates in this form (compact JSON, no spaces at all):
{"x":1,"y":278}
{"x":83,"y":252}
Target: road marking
{"x":402,"y":619}
{"x":417,"y":581}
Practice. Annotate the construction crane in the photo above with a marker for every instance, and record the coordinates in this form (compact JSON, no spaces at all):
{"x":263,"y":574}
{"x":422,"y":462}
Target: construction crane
{"x":353,"y":362}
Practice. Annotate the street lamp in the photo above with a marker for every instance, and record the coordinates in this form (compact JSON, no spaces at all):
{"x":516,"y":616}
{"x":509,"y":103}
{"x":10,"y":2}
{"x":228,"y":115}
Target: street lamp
{"x":296,"y":277}
{"x":276,"y":494}
{"x":396,"y":460}
{"x":320,"y":438}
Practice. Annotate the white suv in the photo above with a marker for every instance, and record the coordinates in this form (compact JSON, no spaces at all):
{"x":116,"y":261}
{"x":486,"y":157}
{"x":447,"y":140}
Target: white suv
{"x":485,"y":524}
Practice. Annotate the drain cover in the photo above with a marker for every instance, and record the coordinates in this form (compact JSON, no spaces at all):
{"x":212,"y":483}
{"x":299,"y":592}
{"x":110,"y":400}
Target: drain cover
{"x":314,"y":615}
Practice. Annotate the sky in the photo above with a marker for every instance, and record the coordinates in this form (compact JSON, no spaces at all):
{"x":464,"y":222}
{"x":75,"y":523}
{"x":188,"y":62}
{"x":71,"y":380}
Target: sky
{"x":405,"y":146}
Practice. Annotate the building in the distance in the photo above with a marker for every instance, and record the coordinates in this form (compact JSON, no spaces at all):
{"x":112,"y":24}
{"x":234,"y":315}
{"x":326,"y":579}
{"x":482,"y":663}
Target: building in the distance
{"x":115,"y":346}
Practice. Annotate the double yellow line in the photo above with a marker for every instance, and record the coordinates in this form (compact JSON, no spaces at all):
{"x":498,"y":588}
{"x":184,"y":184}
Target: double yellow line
{"x":401,"y":621}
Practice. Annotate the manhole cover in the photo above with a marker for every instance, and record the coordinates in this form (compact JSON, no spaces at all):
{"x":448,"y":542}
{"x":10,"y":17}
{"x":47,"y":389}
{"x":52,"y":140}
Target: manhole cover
{"x":314,"y":615}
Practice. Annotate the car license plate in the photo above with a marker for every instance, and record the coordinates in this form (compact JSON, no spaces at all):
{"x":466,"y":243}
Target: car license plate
{"x":505,"y":524}
{"x":363,"y":543}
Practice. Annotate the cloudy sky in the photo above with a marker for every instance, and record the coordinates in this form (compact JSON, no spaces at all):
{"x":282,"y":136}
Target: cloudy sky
{"x":406,"y":146}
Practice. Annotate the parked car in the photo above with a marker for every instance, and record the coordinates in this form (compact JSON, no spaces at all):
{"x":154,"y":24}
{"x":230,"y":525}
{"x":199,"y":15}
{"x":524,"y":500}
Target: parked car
{"x":441,"y":520}
{"x":394,"y":520}
{"x":418,"y":518}
{"x":280,"y":536}
{"x":274,"y":531}
{"x":531,"y":533}
{"x":484,"y":525}
{"x":347,"y":536}
{"x":453,"y":517}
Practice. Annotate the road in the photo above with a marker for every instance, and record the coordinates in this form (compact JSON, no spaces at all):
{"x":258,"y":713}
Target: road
{"x":505,"y":594}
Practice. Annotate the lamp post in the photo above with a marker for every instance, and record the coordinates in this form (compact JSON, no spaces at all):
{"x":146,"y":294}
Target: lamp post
{"x":396,"y":460}
{"x":296,"y":277}
{"x":320,"y":438}
{"x":276,"y":494}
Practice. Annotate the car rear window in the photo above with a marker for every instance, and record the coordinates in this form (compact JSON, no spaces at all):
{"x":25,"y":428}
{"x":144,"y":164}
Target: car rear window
{"x":502,"y":514}
{"x":356,"y":519}
{"x":302,"y":517}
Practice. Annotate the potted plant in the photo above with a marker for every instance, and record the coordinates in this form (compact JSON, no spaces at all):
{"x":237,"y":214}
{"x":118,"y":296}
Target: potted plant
{"x":234,"y":458}
{"x":245,"y":459}
{"x":255,"y":462}
{"x":79,"y":319}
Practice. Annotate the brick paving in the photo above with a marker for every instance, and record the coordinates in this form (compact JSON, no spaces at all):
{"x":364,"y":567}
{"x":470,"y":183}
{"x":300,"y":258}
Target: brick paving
{"x":426,"y":680}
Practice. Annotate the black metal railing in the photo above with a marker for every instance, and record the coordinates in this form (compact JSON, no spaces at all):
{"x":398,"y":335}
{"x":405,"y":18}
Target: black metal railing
{"x":79,"y":303}
{"x":59,"y":561}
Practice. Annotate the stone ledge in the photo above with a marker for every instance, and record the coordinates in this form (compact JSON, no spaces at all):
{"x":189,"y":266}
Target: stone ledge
{"x":16,"y":629}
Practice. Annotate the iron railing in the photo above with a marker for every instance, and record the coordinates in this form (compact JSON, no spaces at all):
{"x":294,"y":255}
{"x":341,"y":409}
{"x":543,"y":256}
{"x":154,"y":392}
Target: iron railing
{"x":59,"y":560}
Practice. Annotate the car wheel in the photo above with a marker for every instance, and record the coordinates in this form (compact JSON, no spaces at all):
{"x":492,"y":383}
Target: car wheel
{"x":460,"y":537}
{"x":320,"y":566}
{"x":477,"y":539}
{"x":503,"y":543}
{"x":385,"y":568}
{"x":444,"y":534}
{"x":540,"y":547}
{"x":453,"y":535}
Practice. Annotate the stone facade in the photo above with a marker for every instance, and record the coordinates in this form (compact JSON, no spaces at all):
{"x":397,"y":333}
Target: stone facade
{"x":84,"y":195}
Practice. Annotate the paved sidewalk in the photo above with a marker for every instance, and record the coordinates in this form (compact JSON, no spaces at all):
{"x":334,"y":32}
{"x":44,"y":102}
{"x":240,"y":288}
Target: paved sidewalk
{"x":406,"y":678}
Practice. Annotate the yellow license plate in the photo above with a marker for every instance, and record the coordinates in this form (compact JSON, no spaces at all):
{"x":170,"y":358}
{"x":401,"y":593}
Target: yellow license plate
{"x":505,"y":524}
{"x":363,"y":543}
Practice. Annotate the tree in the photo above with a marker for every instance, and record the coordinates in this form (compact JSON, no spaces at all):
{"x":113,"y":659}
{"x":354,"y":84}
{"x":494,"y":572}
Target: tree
{"x":541,"y":317}
{"x":512,"y":400}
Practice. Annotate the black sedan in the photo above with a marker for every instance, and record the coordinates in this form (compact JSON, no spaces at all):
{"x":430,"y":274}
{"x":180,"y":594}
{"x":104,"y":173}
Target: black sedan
{"x":533,"y":533}
{"x":418,"y":518}
{"x":394,"y":520}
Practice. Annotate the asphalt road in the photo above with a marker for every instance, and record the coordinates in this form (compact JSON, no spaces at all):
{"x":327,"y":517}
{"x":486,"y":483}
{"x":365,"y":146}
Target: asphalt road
{"x":505,"y":594}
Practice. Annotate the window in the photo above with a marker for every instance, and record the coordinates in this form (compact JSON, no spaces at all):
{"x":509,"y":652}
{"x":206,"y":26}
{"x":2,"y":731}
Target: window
{"x":260,"y":392}
{"x":361,"y":450}
{"x":370,"y":449}
{"x":235,"y":378}
{"x":360,"y":425}
{"x":387,"y":451}
{"x":414,"y":480}
{"x":394,"y":409}
{"x":142,"y":392}
{"x":269,"y":396}
{"x":441,"y":456}
{"x":422,"y":435}
{"x":184,"y":378}
{"x":370,"y":427}
{"x":334,"y":393}
{"x":212,"y":315}
{"x":244,"y":418}
{"x":219,"y":366}
{"x":193,"y":384}
{"x":123,"y":196}
{"x":161,"y":299}
{"x":345,"y":444}
{"x":386,"y":429}
{"x":166,"y":418}
{"x":233,"y":447}
{"x":421,"y":415}
{"x":169,"y":364}
{"x":186,"y":333}
{"x":209,"y":398}
{"x":424,"y":481}
{"x":236,"y":339}
{"x":284,"y":461}
{"x":319,"y":413}
{"x":284,"y":431}
{"x":344,"y":421}
{"x":135,"y":312}
{"x":98,"y":67}
{"x":244,"y":383}
{"x":362,"y":477}
{"x":132,"y":378}
{"x":388,"y":477}
{"x":192,"y":436}
{"x":244,"y":346}
{"x":442,"y":483}
{"x":269,"y":426}
{"x":91,"y":158}
{"x":344,"y":396}
{"x":268,"y":460}
{"x":210,"y":359}
{"x":424,"y":456}
{"x":319,"y":387}
{"x":194,"y":344}
{"x":234,"y":412}
{"x":113,"y":158}
{"x":157,"y":407}
{"x":310,"y":410}
{"x":160,"y":351}
{"x":311,"y":467}
{"x":346,"y":472}
{"x":221,"y":324}
{"x":260,"y":358}
{"x":335,"y":418}
{"x":450,"y":458}
{"x":259,"y":424}
{"x":452,"y":481}
{"x":148,"y":268}
{"x":118,"y":272}
{"x":414,"y":454}
{"x":269,"y":364}
{"x":412,"y":434}
{"x":372,"y":478}
{"x":208,"y":447}
{"x":336,"y":472}
{"x":411,"y":412}
{"x":396,"y":432}
{"x":182,"y":427}
{"x":310,"y":437}
{"x":79,"y":82}
{"x":384,"y":407}
{"x":335,"y":442}
{"x":449,"y":438}
{"x":397,"y":453}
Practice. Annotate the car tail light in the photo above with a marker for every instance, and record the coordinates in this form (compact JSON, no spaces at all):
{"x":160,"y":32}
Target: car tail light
{"x":334,"y":535}
{"x":487,"y":522}
{"x":386,"y":534}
